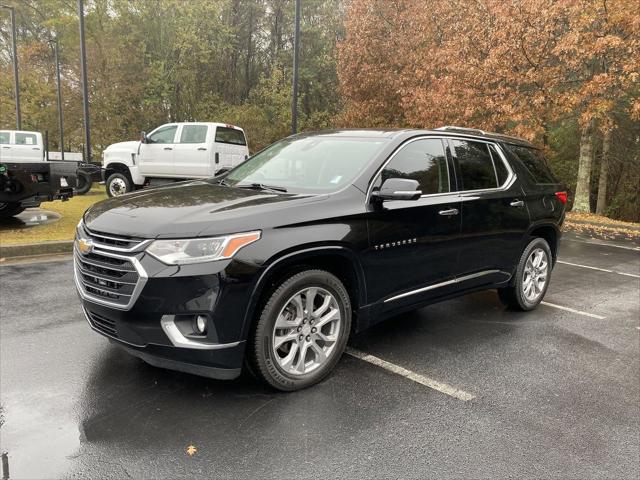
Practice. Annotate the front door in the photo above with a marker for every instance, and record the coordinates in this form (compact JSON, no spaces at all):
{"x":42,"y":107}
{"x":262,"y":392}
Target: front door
{"x":413,"y":249}
{"x":494,"y":214}
{"x":156,"y":156}
{"x":191,"y":157}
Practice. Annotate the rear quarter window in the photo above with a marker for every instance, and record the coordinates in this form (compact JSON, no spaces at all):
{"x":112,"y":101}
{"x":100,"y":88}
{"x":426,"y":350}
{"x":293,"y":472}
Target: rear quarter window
{"x":230,"y":135}
{"x":535,"y":163}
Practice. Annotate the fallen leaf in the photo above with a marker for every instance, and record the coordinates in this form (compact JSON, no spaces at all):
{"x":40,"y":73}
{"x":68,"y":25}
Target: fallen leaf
{"x":191,"y":450}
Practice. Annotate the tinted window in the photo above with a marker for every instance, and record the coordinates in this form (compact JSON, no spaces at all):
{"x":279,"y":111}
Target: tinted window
{"x":421,"y":160}
{"x":4,"y":137}
{"x":230,"y":135}
{"x":26,"y":139}
{"x":535,"y":162}
{"x":475,"y":165}
{"x":501,"y":168}
{"x":193,"y":134}
{"x":164,"y":134}
{"x":321,"y":163}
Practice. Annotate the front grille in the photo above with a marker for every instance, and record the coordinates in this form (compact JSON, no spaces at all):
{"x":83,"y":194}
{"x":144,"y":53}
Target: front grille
{"x":114,"y":242}
{"x":103,"y":324}
{"x":110,"y":274}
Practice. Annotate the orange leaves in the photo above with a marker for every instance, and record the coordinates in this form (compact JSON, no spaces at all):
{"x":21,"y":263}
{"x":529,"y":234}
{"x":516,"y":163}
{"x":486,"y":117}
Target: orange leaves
{"x":502,"y":65}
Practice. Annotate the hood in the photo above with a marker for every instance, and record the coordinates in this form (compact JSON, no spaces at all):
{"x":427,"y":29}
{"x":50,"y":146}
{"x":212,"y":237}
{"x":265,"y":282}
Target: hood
{"x":197,"y":208}
{"x":130,"y":146}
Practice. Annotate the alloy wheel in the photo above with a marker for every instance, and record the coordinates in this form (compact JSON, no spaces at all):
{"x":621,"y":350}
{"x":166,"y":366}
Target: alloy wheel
{"x":535,"y":275}
{"x":306,"y":331}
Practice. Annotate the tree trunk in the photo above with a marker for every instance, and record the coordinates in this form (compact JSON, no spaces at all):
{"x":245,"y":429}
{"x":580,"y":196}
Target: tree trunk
{"x":604,"y":174}
{"x":583,"y":186}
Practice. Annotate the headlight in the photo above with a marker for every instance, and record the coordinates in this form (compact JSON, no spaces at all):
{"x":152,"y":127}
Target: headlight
{"x":197,"y":250}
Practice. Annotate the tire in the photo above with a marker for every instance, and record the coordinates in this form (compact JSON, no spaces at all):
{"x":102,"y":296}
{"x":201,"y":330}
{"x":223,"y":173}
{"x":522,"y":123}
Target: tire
{"x":278,"y":367}
{"x":84,"y":183}
{"x":118,"y":184}
{"x":524,"y":295}
{"x":10,"y":209}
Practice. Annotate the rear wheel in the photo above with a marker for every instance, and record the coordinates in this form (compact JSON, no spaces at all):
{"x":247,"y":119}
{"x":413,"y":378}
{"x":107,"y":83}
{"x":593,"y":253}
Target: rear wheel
{"x":10,"y":209}
{"x":531,"y":278}
{"x":302,"y":331}
{"x":118,"y":184}
{"x":84,"y":183}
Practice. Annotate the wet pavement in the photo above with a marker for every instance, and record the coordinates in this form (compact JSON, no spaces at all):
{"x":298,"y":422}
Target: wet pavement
{"x":557,"y":393}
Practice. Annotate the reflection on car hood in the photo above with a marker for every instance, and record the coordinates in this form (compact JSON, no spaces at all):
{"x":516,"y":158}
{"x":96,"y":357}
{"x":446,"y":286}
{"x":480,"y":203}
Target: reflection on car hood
{"x":196,"y":208}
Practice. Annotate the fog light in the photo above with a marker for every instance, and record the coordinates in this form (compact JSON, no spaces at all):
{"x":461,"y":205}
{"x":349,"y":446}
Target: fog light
{"x":201,"y":324}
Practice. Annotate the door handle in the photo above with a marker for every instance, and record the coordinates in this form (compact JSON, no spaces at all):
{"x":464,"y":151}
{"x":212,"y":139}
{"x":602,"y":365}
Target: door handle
{"x":517,"y":203}
{"x":449,"y":213}
{"x":35,"y":148}
{"x":168,"y":148}
{"x":7,"y":148}
{"x":201,"y":148}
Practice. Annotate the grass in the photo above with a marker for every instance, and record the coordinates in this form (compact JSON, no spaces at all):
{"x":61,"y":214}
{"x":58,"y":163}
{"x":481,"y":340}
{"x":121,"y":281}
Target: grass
{"x":13,"y":232}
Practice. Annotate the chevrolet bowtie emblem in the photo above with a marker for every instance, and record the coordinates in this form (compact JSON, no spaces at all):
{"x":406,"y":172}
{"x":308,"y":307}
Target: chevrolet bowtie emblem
{"x":85,"y":246}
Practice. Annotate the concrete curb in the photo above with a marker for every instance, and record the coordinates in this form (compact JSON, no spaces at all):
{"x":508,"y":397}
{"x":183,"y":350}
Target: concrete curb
{"x":31,"y":249}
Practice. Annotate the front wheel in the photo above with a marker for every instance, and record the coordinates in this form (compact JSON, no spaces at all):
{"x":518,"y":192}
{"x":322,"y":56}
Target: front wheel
{"x":118,"y":184}
{"x":302,"y":331}
{"x":531,"y":278}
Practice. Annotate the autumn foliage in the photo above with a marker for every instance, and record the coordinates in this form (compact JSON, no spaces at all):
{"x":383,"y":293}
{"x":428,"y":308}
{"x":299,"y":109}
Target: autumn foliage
{"x":519,"y":67}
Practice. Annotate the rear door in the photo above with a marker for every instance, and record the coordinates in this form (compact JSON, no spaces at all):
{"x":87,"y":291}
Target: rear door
{"x":230,"y":147}
{"x":413,"y":250}
{"x":156,"y":157}
{"x":191,"y":154}
{"x":495,"y":218}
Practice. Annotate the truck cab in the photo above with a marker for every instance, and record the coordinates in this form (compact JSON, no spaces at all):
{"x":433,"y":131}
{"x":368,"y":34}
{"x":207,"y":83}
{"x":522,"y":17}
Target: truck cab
{"x":18,"y":146}
{"x":173,"y":152}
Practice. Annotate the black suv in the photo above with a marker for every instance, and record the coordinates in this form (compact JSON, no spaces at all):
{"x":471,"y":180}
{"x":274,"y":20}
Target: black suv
{"x":274,"y":264}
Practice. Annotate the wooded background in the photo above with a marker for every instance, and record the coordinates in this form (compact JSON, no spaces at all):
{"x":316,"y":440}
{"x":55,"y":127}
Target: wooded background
{"x":564,"y":74}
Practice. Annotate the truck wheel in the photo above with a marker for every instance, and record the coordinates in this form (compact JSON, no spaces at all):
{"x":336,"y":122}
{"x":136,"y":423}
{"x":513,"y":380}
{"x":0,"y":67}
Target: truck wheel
{"x":302,"y":331}
{"x":118,"y":184}
{"x":84,"y":182}
{"x":11,"y":209}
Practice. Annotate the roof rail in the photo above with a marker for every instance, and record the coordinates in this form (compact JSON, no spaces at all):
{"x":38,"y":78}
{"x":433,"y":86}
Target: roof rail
{"x":464,"y":129}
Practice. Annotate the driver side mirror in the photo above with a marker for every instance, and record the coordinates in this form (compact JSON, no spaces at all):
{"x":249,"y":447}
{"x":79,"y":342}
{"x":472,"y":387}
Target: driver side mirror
{"x":143,"y":137}
{"x":398,"y":189}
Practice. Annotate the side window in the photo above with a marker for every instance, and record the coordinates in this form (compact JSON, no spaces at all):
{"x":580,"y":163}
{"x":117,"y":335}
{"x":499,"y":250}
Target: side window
{"x":230,"y":135}
{"x":501,"y":169}
{"x":535,"y":162}
{"x":193,"y":134}
{"x":421,"y":160}
{"x":5,"y":137}
{"x":164,"y":134}
{"x":475,"y":165}
{"x":26,"y":139}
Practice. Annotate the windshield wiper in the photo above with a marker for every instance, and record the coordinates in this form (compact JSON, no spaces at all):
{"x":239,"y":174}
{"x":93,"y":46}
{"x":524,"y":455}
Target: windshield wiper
{"x":223,"y":182}
{"x":261,"y":186}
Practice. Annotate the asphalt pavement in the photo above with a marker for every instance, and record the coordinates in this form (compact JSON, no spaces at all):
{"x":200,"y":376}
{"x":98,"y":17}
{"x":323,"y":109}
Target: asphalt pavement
{"x":553,"y":393}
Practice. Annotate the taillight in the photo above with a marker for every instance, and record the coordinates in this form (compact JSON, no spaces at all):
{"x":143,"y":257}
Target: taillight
{"x":562,"y":196}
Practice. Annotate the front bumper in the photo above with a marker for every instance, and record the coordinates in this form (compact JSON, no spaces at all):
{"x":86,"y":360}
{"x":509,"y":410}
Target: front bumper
{"x":153,"y":314}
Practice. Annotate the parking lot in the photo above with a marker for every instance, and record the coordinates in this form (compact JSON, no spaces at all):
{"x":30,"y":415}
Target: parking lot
{"x":463,"y":388}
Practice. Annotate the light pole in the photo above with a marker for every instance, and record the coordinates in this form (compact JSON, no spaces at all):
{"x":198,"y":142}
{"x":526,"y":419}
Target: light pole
{"x":59,"y":95}
{"x":85,"y":93}
{"x":296,"y":53}
{"x":15,"y":64}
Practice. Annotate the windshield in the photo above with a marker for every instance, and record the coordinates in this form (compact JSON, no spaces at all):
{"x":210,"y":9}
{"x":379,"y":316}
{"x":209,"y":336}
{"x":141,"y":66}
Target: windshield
{"x":317,"y":164}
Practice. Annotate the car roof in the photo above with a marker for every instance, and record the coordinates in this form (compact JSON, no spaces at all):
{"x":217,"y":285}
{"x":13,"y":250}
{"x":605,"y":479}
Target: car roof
{"x":403,"y":133}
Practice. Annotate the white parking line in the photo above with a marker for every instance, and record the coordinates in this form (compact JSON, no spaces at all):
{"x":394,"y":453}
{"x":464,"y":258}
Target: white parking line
{"x":599,"y":269}
{"x":601,"y":244}
{"x":422,"y":380}
{"x":573,"y":310}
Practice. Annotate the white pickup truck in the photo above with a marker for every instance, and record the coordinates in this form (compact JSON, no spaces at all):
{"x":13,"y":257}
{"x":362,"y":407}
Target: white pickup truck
{"x":172,"y":152}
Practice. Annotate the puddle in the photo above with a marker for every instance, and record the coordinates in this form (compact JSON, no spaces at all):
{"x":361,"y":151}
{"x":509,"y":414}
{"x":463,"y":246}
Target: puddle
{"x":30,"y":218}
